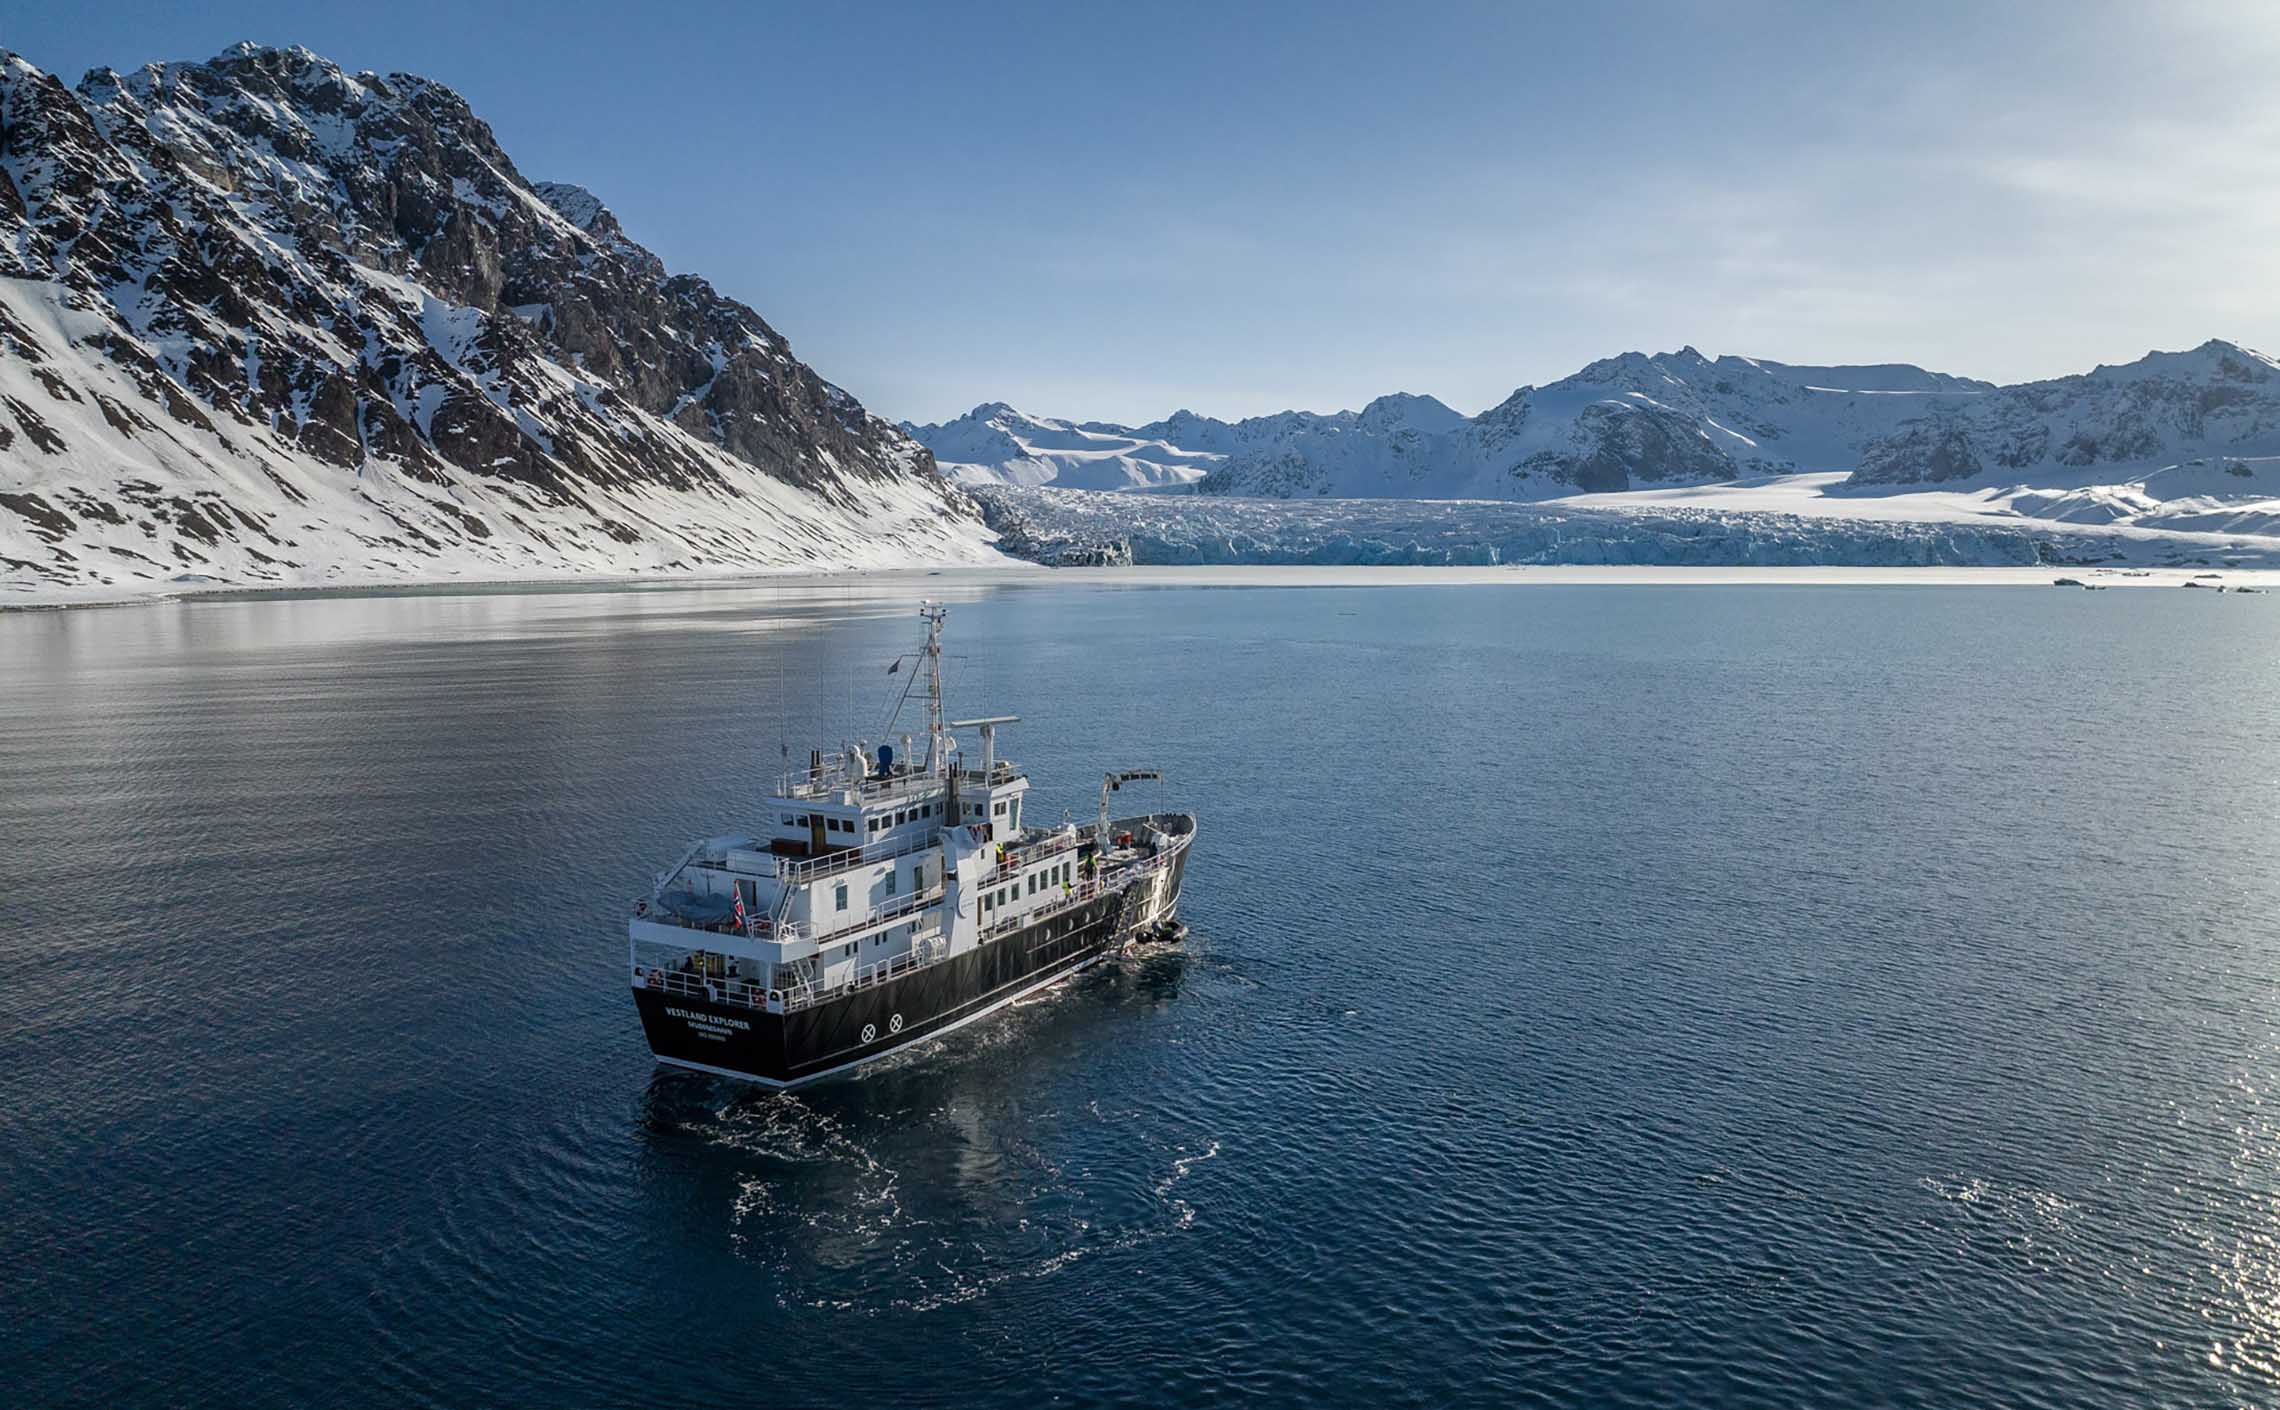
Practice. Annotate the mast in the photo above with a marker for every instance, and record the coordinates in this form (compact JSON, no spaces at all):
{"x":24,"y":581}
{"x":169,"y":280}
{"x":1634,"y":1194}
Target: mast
{"x":937,"y":750}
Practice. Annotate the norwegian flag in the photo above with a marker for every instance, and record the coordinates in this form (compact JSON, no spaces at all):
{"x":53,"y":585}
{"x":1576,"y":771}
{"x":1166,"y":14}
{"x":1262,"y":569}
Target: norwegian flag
{"x":742,"y":923}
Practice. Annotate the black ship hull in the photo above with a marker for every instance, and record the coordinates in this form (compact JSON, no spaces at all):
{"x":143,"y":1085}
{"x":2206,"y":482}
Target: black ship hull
{"x":862,"y":1025}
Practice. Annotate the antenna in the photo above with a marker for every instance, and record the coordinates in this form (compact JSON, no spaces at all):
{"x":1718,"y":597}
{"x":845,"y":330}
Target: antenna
{"x":934,"y":614}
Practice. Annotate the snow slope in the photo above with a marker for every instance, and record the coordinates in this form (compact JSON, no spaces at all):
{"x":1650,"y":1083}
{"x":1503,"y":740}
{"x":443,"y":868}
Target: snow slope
{"x":265,"y":322}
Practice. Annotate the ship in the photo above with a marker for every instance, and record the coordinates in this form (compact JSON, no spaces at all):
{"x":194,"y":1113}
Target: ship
{"x":886,"y":899}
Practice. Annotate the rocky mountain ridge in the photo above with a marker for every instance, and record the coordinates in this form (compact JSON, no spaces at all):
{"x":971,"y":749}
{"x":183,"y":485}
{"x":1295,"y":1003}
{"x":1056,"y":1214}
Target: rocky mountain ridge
{"x":2218,"y":400}
{"x":269,"y":322}
{"x":1682,"y":419}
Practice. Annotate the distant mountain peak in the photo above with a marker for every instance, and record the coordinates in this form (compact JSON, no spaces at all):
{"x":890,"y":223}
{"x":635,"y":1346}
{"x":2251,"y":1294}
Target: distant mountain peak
{"x":1409,"y":410}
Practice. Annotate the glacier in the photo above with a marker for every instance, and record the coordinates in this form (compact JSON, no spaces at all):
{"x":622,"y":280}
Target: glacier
{"x":1083,"y":528}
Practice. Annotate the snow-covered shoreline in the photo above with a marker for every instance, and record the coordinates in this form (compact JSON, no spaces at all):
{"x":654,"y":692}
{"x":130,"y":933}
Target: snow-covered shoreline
{"x":921,"y":580}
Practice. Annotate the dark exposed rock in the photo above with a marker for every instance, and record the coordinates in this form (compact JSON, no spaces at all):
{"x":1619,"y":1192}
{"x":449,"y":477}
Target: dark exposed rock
{"x":47,"y":520}
{"x":1628,"y":444}
{"x":1927,"y":451}
{"x":2165,"y":407}
{"x":36,"y":430}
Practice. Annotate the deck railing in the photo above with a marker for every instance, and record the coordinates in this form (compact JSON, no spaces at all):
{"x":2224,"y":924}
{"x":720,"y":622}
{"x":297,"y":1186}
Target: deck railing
{"x":711,"y":988}
{"x":798,"y":869}
{"x":892,"y":910}
{"x":806,"y":785}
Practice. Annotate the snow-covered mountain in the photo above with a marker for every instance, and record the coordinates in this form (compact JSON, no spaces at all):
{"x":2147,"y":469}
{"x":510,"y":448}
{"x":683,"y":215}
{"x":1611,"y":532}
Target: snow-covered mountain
{"x":2174,"y":443}
{"x":2218,"y":401}
{"x":994,"y":444}
{"x":1671,"y":418}
{"x":272,"y":323}
{"x":2174,"y":458}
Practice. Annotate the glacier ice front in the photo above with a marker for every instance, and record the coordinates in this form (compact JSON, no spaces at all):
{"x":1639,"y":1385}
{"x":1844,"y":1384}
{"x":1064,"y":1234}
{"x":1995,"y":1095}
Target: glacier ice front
{"x":1070,"y":528}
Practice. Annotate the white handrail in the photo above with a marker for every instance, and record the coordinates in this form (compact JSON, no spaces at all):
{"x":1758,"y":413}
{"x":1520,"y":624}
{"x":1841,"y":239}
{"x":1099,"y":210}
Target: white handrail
{"x":892,"y":910}
{"x":809,"y":868}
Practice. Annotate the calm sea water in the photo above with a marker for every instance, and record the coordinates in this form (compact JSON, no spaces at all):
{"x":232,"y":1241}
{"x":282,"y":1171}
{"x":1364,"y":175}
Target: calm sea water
{"x":1618,"y":996}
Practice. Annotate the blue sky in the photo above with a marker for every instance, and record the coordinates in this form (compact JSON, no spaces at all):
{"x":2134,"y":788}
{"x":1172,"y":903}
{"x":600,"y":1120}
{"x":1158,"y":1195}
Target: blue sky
{"x":1115,"y":210}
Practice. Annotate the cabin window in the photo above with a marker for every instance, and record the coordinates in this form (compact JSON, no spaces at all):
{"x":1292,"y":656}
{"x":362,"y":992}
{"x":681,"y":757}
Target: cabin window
{"x":998,"y":811}
{"x":872,"y":825}
{"x":839,"y":895}
{"x":790,"y":820}
{"x":890,"y":881}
